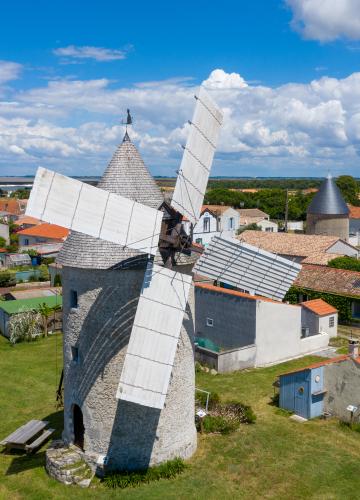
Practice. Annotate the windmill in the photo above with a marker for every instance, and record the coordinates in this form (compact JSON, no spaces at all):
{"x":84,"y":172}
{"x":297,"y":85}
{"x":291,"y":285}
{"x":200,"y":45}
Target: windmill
{"x":142,"y":429}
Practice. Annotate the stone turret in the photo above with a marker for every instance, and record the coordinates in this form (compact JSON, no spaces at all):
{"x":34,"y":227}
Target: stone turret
{"x":328,"y":213}
{"x":101,"y":287}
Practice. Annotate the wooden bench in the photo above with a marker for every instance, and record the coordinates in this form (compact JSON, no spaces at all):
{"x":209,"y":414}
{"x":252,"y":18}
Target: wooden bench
{"x":28,"y":437}
{"x":39,"y":441}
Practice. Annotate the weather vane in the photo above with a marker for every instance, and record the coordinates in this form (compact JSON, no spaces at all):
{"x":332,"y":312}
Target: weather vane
{"x":128,"y":119}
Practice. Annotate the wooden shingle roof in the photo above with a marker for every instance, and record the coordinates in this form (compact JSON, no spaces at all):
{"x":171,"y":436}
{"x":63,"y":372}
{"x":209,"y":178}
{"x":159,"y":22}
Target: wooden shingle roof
{"x":127,"y":176}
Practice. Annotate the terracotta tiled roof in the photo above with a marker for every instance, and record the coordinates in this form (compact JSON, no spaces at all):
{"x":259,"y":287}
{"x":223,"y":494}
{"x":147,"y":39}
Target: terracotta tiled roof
{"x":227,"y":291}
{"x":354,"y":212}
{"x":312,"y":247}
{"x":319,"y":307}
{"x":337,"y":359}
{"x":329,"y":279}
{"x":216,"y":209}
{"x":252,"y":212}
{"x":321,"y":259}
{"x":13,"y":205}
{"x":26,"y":219}
{"x":51,"y":231}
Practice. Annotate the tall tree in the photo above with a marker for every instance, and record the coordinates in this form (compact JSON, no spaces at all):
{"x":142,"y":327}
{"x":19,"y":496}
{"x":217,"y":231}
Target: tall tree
{"x":349,"y":188}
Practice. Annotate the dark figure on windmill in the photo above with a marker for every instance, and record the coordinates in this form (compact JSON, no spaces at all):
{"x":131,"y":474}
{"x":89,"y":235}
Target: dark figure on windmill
{"x":128,"y":119}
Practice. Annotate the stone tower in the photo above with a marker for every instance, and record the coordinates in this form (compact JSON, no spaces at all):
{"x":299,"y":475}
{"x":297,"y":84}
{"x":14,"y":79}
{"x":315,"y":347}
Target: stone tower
{"x":101,"y":287}
{"x":328,"y":213}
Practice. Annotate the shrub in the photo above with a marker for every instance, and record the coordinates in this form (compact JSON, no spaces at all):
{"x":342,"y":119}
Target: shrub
{"x":350,"y":263}
{"x":24,"y":326}
{"x":218,"y":423}
{"x":57,"y":280}
{"x":7,"y":278}
{"x":214,"y":399}
{"x":125,"y":479}
{"x":225,"y":418}
{"x":47,"y":260}
{"x":44,"y":273}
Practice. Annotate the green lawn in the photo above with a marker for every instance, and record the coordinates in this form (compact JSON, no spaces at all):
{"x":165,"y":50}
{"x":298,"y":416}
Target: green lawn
{"x":275,"y":458}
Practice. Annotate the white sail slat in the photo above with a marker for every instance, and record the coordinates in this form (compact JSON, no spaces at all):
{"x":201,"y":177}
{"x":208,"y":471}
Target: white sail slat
{"x":152,"y":347}
{"x":70,"y":203}
{"x":247,"y":267}
{"x":197,"y":159}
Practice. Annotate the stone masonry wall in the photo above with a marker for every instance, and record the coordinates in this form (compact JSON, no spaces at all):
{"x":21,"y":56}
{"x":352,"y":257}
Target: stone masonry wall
{"x":131,"y":436}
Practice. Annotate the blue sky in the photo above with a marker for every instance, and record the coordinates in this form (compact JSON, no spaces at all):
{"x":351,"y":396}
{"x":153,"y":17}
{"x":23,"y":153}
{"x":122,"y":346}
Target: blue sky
{"x":285,"y":73}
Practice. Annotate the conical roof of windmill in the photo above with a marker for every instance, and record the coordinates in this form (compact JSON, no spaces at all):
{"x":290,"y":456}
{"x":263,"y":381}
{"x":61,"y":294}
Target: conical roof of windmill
{"x":328,"y":200}
{"x":127,"y":176}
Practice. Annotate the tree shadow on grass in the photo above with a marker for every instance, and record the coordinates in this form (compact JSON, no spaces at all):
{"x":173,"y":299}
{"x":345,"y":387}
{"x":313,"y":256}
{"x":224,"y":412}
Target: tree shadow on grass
{"x":23,"y":462}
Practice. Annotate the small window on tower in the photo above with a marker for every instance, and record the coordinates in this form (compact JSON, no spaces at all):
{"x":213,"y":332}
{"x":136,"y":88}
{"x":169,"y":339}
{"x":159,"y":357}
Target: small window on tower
{"x":73,"y":299}
{"x":75,"y":354}
{"x":209,"y":322}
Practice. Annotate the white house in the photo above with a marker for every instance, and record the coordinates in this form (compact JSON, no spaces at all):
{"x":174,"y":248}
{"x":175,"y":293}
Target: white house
{"x":268,"y":226}
{"x":214,"y":219}
{"x":235,"y":330}
{"x":256,"y":216}
{"x":295,"y":225}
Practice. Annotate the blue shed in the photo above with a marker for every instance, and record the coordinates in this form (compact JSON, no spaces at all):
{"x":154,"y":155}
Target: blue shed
{"x":303,"y":391}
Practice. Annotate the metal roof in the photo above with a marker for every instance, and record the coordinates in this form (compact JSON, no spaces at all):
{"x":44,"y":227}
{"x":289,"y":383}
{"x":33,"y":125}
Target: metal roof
{"x":247,"y":267}
{"x":23,"y":305}
{"x":328,"y":200}
{"x":127,"y":176}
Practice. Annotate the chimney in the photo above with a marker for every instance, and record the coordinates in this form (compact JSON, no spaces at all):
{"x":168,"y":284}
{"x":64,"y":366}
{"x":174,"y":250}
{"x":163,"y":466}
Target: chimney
{"x":353,"y":348}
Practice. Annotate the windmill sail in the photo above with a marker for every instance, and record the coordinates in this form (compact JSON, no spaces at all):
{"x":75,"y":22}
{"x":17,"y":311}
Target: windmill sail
{"x":70,"y":203}
{"x":197,"y":158}
{"x":247,"y":267}
{"x":151,"y":351}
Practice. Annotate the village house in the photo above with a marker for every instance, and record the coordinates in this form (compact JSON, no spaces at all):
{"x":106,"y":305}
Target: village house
{"x":354,"y":225}
{"x":315,"y":281}
{"x":256,"y":216}
{"x":303,"y":248}
{"x":330,"y":387}
{"x":213,"y":220}
{"x":25,"y":222}
{"x":236,"y":330}
{"x":13,"y":206}
{"x":46,"y":239}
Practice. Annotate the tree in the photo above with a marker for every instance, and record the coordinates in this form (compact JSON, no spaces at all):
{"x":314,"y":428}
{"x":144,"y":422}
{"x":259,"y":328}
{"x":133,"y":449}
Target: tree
{"x":21,"y":194}
{"x":45,"y":312}
{"x":349,"y":188}
{"x":2,"y":242}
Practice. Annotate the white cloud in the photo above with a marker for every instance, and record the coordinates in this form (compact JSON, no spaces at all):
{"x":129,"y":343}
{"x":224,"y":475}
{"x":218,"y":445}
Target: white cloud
{"x":218,"y":79}
{"x":101,"y":54}
{"x":294,"y":129}
{"x":326,"y":20}
{"x":9,"y":71}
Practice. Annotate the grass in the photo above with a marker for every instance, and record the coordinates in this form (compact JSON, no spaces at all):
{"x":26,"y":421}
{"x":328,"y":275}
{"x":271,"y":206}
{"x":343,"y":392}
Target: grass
{"x":274,"y":458}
